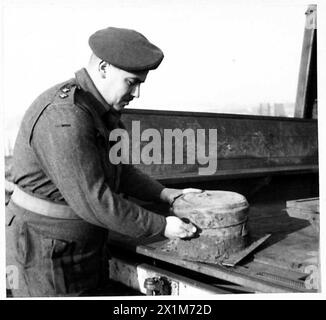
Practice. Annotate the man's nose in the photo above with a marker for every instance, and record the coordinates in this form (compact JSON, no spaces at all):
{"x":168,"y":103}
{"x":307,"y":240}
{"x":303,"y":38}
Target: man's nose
{"x":136,"y":91}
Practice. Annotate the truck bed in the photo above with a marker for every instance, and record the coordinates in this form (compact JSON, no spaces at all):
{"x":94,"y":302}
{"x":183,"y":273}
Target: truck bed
{"x":283,"y":263}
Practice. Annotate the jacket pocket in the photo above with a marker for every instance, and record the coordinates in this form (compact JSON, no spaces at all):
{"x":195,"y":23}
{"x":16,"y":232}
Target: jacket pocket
{"x":25,"y":246}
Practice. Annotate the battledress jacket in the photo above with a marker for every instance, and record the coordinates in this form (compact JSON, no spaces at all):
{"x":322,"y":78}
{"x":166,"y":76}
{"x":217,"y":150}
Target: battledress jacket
{"x":62,"y":155}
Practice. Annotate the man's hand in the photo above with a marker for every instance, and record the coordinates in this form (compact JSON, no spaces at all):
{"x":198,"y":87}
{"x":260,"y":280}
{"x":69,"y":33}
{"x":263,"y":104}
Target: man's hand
{"x":169,"y":194}
{"x":176,"y":228}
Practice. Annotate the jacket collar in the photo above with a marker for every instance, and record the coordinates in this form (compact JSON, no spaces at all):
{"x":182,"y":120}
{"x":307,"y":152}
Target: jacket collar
{"x":85,"y":82}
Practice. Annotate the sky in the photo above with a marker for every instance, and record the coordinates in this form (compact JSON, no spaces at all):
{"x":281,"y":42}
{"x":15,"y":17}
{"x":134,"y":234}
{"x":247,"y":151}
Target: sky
{"x":220,"y":56}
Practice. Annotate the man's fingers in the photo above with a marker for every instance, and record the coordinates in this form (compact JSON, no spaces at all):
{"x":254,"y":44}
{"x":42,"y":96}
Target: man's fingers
{"x":176,"y":228}
{"x":189,"y":229}
{"x":189,"y":190}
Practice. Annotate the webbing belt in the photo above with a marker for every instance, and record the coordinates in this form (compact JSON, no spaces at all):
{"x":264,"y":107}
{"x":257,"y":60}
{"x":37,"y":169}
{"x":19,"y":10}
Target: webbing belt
{"x":40,"y":206}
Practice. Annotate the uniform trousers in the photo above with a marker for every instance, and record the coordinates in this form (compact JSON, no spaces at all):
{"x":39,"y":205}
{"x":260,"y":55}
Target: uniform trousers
{"x":54,"y":257}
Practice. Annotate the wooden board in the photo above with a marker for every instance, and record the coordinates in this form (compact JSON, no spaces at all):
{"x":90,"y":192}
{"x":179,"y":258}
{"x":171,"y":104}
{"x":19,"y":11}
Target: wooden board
{"x":293,"y":242}
{"x":303,"y":207}
{"x":306,"y":99}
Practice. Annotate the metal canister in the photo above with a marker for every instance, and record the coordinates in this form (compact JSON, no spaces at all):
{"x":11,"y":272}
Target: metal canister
{"x":221,"y":218}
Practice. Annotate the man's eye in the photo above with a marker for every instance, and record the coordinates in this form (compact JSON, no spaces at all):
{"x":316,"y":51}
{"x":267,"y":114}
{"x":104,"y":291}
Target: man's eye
{"x":129,"y":83}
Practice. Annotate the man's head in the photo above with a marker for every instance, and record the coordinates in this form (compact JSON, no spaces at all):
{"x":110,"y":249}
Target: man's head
{"x":120,"y":63}
{"x":118,"y":87}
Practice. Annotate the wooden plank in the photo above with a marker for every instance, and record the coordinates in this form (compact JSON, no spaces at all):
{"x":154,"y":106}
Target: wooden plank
{"x":249,"y":278}
{"x":308,"y":205}
{"x":237,"y":257}
{"x":149,"y":112}
{"x":307,"y":83}
{"x":291,"y":247}
{"x":294,"y":244}
{"x":236,"y":173}
{"x":305,"y":209}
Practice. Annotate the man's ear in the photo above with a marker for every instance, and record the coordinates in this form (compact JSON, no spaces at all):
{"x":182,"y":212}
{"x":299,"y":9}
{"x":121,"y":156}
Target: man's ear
{"x":103,"y":69}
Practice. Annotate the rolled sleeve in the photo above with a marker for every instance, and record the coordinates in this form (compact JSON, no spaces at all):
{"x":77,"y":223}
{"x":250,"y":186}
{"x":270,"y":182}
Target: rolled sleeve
{"x":64,"y":141}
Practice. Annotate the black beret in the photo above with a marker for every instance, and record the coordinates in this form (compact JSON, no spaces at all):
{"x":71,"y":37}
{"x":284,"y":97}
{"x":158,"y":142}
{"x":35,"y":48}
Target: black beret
{"x":126,"y":49}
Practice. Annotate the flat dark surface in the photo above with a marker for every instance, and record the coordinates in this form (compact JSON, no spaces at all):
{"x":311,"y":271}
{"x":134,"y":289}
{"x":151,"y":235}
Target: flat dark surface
{"x":245,"y":145}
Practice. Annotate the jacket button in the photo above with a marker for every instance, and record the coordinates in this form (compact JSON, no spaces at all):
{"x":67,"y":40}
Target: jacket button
{"x":65,"y":89}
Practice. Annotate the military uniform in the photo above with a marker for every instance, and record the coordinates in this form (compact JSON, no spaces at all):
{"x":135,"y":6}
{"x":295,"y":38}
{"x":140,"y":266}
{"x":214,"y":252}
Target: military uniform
{"x":61,"y":156}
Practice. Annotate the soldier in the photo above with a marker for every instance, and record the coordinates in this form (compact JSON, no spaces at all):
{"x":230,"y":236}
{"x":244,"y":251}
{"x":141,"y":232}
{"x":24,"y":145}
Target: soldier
{"x":67,"y":192}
